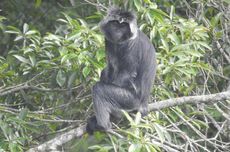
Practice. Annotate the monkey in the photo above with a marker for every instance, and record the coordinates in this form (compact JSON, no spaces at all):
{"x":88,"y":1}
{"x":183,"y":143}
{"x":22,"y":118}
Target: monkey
{"x":126,"y":81}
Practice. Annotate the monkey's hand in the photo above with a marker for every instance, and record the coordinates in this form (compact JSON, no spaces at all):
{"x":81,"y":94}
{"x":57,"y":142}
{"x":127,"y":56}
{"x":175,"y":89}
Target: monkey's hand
{"x":104,"y":75}
{"x":127,"y":80}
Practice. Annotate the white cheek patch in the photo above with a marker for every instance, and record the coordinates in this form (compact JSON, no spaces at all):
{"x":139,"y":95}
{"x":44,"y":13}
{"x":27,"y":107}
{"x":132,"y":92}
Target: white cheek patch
{"x":133,"y":29}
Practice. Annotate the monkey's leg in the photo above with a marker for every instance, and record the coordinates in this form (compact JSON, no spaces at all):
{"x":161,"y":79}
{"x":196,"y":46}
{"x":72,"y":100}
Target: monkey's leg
{"x":109,"y":99}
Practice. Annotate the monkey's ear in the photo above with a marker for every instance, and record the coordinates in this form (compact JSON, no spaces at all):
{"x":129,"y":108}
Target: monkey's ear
{"x":134,"y":14}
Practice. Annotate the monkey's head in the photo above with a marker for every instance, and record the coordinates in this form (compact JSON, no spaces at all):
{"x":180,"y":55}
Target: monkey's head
{"x":119,"y":25}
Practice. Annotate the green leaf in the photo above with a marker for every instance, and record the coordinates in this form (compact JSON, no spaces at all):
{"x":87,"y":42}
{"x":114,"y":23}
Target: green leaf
{"x":143,"y":26}
{"x":61,"y":78}
{"x":148,"y":1}
{"x":128,"y":117}
{"x":205,"y":45}
{"x":13,"y":146}
{"x":76,"y":35}
{"x":153,"y":33}
{"x":86,"y":70}
{"x":201,"y":123}
{"x":137,"y":4}
{"x":98,"y":38}
{"x":95,"y":147}
{"x":32,"y":60}
{"x":38,"y":3}
{"x":158,"y":15}
{"x":62,"y":20}
{"x":227,"y":1}
{"x":138,"y":118}
{"x":194,"y":53}
{"x":31,"y":32}
{"x":165,"y":45}
{"x":159,"y":131}
{"x":174,"y":38}
{"x":72,"y":78}
{"x":13,"y":29}
{"x":2,"y":58}
{"x":12,"y":32}
{"x":18,"y":38}
{"x":68,"y":57}
{"x":99,"y":148}
{"x":2,"y":18}
{"x":166,"y":70}
{"x":100,"y":54}
{"x":150,"y":148}
{"x":149,"y":17}
{"x":135,"y":148}
{"x":67,"y":17}
{"x":22,"y":59}
{"x":25,"y":28}
{"x":23,"y":113}
{"x":83,"y":23}
{"x":172,"y":11}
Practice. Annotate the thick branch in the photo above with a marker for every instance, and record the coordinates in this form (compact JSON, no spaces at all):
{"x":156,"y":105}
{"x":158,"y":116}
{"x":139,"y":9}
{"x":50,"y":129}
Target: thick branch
{"x":189,"y":100}
{"x":78,"y":132}
{"x":59,"y":140}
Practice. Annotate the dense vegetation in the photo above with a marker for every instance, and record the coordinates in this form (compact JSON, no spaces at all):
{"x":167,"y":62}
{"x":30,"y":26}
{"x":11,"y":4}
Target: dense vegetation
{"x":52,"y":52}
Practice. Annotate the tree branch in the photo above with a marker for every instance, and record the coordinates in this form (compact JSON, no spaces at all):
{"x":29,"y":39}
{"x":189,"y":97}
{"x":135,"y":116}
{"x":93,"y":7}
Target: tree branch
{"x":12,"y":89}
{"x":78,"y":132}
{"x":59,"y":140}
{"x":212,"y":98}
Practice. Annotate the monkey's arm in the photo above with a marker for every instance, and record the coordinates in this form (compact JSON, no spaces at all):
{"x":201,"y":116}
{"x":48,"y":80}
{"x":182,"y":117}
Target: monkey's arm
{"x":145,"y":77}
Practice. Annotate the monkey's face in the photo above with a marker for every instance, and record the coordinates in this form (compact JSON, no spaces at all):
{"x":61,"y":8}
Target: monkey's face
{"x":117,"y":31}
{"x":119,"y":25}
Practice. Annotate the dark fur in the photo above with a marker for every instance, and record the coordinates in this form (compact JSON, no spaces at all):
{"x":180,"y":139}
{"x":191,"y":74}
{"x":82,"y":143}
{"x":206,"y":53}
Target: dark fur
{"x":127,"y":80}
{"x":127,"y":14}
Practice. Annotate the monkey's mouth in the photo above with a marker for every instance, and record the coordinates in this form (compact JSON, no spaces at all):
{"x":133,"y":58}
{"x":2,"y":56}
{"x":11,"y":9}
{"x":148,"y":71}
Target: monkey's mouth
{"x":115,"y":37}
